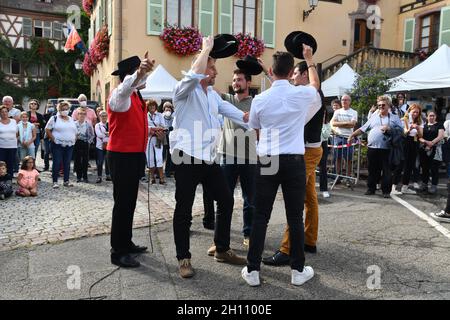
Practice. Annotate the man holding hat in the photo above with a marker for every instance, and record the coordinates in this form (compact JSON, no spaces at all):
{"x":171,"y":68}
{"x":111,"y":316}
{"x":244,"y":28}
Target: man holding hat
{"x":194,"y":147}
{"x":128,"y":129}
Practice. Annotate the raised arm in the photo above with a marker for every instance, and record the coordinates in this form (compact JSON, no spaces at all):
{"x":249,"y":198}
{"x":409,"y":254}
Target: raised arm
{"x":314,"y":80}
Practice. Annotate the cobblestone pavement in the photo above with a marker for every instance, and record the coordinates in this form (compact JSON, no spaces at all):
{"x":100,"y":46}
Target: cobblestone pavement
{"x":83,"y":210}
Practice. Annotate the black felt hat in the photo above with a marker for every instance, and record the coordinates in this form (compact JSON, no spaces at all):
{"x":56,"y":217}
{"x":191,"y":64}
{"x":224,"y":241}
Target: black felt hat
{"x":250,"y":65}
{"x":294,"y":41}
{"x":225,"y":45}
{"x":127,"y":66}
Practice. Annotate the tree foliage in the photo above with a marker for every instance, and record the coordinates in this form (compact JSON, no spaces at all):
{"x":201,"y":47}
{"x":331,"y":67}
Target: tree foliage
{"x":371,"y":84}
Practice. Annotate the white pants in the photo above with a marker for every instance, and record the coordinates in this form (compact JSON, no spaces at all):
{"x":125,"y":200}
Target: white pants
{"x":154,"y":152}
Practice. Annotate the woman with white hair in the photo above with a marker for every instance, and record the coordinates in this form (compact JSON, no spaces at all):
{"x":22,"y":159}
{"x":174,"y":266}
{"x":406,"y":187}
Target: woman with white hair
{"x":62,"y":132}
{"x":155,"y":141}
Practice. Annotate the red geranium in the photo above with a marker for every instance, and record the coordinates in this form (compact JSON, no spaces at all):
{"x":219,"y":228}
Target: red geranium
{"x":88,"y":6}
{"x":249,"y":46}
{"x":181,"y":41}
{"x":98,"y":50}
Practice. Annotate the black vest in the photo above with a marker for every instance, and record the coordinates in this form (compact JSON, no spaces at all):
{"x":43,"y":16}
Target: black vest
{"x":313,"y":129}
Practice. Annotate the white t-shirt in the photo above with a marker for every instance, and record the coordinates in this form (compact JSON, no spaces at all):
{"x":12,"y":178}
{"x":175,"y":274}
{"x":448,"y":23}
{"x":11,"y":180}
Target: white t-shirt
{"x":64,"y":131}
{"x":342,"y":115}
{"x":281,"y":114}
{"x":100,"y":133}
{"x":8,"y":135}
{"x":14,"y":113}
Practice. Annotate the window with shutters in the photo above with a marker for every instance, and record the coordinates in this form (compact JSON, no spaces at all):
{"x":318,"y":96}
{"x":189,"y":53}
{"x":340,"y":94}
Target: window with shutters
{"x":27,"y":27}
{"x":268,"y":22}
{"x":180,"y":12}
{"x":444,"y":32}
{"x":429,"y":32}
{"x":244,"y":16}
{"x":155,"y":17}
{"x":206,"y":14}
{"x":57,"y":30}
{"x":408,"y":39}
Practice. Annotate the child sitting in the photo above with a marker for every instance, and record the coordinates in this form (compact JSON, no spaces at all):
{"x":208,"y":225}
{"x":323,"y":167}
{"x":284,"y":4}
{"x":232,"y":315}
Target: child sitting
{"x":6,"y":189}
{"x":27,"y":178}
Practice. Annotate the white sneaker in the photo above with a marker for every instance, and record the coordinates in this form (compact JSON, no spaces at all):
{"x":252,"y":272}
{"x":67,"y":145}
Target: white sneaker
{"x":416,"y":186}
{"x":251,"y":278}
{"x":326,"y":194}
{"x":394,"y":191}
{"x":406,"y":190}
{"x":55,"y":185}
{"x":441,"y":216}
{"x":299,"y":278}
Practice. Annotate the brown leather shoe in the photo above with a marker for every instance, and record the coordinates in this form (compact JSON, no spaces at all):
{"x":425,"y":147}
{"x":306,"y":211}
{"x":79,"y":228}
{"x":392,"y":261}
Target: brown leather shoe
{"x":212,"y":251}
{"x":230,"y":257}
{"x":185,"y":268}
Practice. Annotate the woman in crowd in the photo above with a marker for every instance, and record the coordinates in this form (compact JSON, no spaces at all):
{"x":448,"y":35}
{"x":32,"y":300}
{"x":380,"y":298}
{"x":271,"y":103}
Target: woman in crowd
{"x":168,"y":121}
{"x":38,"y":121}
{"x":413,"y":128}
{"x":102,"y":133}
{"x":62,"y":132}
{"x":156,"y":125}
{"x":8,"y":140}
{"x":433,"y":133}
{"x":49,"y":112}
{"x":85,"y":136}
{"x":380,"y":125}
{"x":26,"y":134}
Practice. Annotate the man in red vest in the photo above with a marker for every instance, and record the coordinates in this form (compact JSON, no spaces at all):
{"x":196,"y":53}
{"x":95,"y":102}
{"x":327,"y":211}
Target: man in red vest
{"x":128,"y":136}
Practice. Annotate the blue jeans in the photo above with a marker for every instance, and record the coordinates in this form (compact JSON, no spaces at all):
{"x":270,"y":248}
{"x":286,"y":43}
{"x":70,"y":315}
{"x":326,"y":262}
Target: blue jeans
{"x":37,"y":142}
{"x":8,"y":156}
{"x":247,"y":178}
{"x":61,"y":155}
{"x":101,"y":158}
{"x":23,"y":152}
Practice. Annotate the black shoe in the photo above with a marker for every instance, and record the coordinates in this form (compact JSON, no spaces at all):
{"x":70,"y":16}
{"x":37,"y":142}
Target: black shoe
{"x":137,"y":249}
{"x":78,"y":180}
{"x":208,"y":225}
{"x":108,"y":178}
{"x":278,"y":259}
{"x":369,"y":193}
{"x":124,"y":260}
{"x":86,"y":180}
{"x":310,"y":249}
{"x":99,"y":180}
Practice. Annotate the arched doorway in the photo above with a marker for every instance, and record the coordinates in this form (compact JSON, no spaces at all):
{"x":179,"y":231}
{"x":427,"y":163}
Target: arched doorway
{"x":363,"y":36}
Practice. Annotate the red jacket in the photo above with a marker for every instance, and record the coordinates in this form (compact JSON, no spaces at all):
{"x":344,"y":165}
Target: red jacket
{"x":128,"y":131}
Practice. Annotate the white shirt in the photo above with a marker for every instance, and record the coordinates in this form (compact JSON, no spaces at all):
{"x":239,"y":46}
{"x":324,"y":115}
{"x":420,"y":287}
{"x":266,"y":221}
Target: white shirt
{"x":8,"y":135}
{"x":196,"y":125}
{"x":281,"y":114}
{"x":156,"y":120}
{"x":100,"y":132}
{"x":64,"y":131}
{"x":120,"y":100}
{"x":342,"y":115}
{"x":14,"y":113}
{"x":447,"y":128}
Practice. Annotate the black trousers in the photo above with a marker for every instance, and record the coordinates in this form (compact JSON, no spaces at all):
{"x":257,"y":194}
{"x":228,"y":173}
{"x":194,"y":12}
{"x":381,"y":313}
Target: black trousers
{"x":411,"y":148}
{"x":126,"y":170}
{"x":447,"y":207}
{"x":81,"y":154}
{"x":208,"y":205}
{"x":291,"y":175}
{"x":379,"y":167}
{"x":187,"y":176}
{"x":428,"y":165}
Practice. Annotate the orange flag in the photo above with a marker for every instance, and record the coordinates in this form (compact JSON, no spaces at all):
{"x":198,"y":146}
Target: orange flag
{"x":72,"y":40}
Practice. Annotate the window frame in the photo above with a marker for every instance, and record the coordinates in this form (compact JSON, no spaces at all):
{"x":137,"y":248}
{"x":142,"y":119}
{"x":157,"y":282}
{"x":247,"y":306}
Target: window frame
{"x":244,"y":22}
{"x":435,"y":20}
{"x":179,"y":12}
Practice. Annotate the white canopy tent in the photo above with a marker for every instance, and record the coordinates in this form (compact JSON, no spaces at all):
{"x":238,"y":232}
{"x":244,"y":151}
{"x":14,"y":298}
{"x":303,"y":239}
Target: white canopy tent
{"x":160,"y":84}
{"x":340,"y":83}
{"x":432,"y":74}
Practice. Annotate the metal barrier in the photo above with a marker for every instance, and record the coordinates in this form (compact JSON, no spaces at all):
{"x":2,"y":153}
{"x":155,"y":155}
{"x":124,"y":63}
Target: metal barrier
{"x":344,"y":160}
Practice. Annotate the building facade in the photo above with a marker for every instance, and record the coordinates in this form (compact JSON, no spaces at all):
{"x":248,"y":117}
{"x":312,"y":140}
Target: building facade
{"x":22,"y":20}
{"x":341,"y":28}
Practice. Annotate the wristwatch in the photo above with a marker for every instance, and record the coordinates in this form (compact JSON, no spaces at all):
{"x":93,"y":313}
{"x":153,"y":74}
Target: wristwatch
{"x":312,"y":66}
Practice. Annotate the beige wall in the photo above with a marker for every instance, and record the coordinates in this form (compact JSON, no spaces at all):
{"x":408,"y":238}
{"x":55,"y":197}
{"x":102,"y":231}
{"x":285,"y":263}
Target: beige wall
{"x":330,"y":23}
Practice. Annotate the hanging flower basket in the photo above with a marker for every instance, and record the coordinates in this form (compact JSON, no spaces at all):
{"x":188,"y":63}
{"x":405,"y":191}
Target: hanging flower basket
{"x":249,"y":46}
{"x":181,"y":41}
{"x":98,"y":51}
{"x":88,"y":6}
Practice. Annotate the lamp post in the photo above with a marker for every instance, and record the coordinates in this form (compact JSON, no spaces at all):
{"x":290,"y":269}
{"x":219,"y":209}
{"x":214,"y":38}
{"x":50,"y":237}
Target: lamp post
{"x":312,"y":5}
{"x":78,"y":64}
